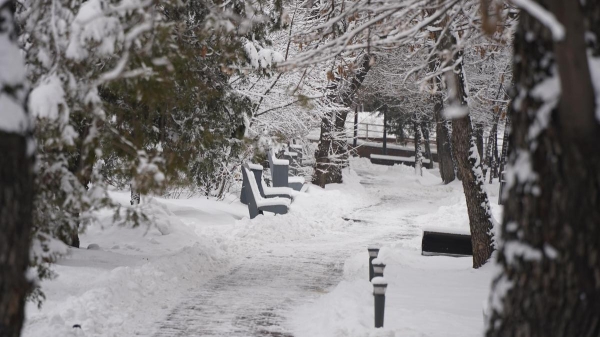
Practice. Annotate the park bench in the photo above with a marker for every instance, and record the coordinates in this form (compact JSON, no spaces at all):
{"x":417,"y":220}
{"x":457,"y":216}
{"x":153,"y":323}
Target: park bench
{"x":279,"y":173}
{"x":265,"y":190}
{"x":446,"y":242}
{"x":256,"y":202}
{"x":293,"y":159}
{"x":297,"y":149}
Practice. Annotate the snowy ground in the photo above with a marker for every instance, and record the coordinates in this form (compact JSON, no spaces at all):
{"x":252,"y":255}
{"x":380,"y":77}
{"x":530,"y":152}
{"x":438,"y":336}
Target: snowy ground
{"x":205,"y":269}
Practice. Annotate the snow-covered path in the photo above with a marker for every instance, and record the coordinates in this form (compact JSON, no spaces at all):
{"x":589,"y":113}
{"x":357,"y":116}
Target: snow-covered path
{"x":204,"y":269}
{"x":254,"y":298}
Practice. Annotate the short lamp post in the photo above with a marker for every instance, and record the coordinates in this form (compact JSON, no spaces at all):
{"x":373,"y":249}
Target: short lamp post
{"x":373,"y":252}
{"x":378,"y":267}
{"x":502,"y":184}
{"x":379,"y":288}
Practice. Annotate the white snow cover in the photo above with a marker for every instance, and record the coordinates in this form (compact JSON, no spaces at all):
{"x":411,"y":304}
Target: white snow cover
{"x":388,"y":145}
{"x":443,"y":229}
{"x":378,"y":260}
{"x":251,"y":53}
{"x":296,"y":179}
{"x":456,"y":111}
{"x":92,"y":26}
{"x":264,"y":58}
{"x":396,"y":158}
{"x":278,"y":190}
{"x":255,"y":166}
{"x":47,"y":100}
{"x":139,"y":276}
{"x":433,"y":296}
{"x":378,"y":281}
{"x":277,"y":161}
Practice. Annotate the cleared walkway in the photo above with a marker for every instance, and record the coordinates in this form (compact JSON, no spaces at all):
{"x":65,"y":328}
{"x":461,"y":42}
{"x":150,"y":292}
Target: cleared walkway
{"x":255,"y":296}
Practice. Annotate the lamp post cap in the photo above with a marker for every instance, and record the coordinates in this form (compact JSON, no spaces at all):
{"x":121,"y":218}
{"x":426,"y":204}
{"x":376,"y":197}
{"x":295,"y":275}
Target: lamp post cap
{"x":379,"y":281}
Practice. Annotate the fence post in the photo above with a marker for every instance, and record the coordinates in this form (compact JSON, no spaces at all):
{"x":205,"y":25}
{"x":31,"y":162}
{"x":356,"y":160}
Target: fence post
{"x":379,"y":288}
{"x":373,"y":252}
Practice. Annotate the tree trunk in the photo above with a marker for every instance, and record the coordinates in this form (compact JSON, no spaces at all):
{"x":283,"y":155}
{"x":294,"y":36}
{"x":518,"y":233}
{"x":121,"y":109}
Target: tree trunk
{"x":332,"y":153}
{"x":478,"y":131}
{"x":495,"y":159}
{"x":418,"y":147}
{"x":16,"y":189}
{"x":16,"y":199}
{"x":469,"y":164}
{"x":505,"y":140}
{"x":442,"y":128}
{"x":468,"y":161}
{"x":464,"y":146}
{"x":492,"y":150}
{"x":444,"y":150}
{"x":425,"y":130}
{"x":550,"y":280}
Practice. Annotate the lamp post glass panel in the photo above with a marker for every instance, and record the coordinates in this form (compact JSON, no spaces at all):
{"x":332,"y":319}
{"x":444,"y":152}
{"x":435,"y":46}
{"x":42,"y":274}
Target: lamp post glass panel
{"x":373,"y":252}
{"x":378,"y":267}
{"x":379,"y":288}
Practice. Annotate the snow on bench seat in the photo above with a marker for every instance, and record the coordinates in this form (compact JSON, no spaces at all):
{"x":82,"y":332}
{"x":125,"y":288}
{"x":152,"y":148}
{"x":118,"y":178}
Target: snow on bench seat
{"x":255,"y":166}
{"x":277,"y":161}
{"x":391,"y":146}
{"x":260,"y":201}
{"x":296,"y":179}
{"x":396,"y":158}
{"x":278,"y":190}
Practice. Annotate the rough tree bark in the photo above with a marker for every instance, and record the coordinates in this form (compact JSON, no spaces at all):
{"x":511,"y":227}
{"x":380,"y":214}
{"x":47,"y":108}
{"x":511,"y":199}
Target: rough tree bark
{"x":444,"y":149}
{"x":418,"y":146}
{"x":16,"y":182}
{"x":505,"y":140}
{"x":425,"y":130}
{"x":550,"y":280}
{"x":468,"y":162}
{"x":492,"y":151}
{"x":478,"y":132}
{"x":442,"y":130}
{"x":332,"y":152}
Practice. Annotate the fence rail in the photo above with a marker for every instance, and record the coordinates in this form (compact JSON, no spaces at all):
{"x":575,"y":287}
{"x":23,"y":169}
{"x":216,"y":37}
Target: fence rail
{"x":376,"y":132}
{"x":377,"y":129}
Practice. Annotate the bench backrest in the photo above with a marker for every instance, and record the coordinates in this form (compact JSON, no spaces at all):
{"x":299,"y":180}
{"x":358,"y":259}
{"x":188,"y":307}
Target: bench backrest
{"x":252,"y":191}
{"x":279,"y":170}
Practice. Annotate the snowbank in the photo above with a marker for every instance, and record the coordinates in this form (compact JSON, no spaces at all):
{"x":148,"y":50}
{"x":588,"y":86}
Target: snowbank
{"x":426,"y":295}
{"x":136,"y":277}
